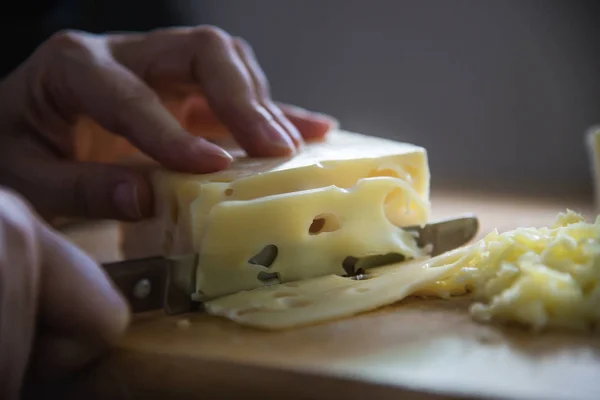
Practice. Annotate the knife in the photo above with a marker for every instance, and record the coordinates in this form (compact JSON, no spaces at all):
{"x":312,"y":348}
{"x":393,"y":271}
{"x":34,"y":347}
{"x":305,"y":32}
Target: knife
{"x":168,"y":282}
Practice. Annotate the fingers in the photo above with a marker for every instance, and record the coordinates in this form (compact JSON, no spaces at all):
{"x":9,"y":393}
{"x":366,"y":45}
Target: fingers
{"x":88,"y":81}
{"x":310,"y":124}
{"x":191,"y":108}
{"x":79,"y":309}
{"x":48,"y":283}
{"x":91,"y":190}
{"x":231,"y":80}
{"x":261,"y":85}
{"x":19,"y":283}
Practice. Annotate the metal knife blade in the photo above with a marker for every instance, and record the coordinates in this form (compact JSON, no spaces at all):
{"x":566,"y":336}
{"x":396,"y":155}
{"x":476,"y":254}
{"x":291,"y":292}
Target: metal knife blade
{"x":447,"y":234}
{"x":169,"y":282}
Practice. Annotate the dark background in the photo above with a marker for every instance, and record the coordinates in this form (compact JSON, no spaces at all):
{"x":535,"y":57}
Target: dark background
{"x":499,"y":92}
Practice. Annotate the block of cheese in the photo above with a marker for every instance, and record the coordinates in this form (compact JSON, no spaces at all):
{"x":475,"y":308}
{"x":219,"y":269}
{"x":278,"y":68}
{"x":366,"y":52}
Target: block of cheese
{"x":264,"y":221}
{"x":326,"y":298}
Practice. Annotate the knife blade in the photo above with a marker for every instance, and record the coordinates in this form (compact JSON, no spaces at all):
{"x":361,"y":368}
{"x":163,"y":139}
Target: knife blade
{"x":447,"y":234}
{"x":168,"y":282}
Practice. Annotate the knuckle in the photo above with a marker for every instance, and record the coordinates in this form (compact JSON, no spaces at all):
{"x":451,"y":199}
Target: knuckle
{"x":67,"y":39}
{"x":209,"y":35}
{"x":66,"y":50}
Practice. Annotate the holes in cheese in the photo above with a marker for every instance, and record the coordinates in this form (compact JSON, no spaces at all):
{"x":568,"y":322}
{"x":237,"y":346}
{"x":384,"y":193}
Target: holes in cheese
{"x":268,"y":277}
{"x":228,"y":192}
{"x":266,"y":257}
{"x":398,"y":206}
{"x":324,"y":223}
{"x":328,"y":297}
{"x":281,"y":220}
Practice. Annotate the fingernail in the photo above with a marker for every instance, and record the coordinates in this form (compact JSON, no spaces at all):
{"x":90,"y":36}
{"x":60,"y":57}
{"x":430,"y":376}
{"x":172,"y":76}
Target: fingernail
{"x":334,"y":124}
{"x":217,"y":151}
{"x":126,"y":200}
{"x":276,"y":135}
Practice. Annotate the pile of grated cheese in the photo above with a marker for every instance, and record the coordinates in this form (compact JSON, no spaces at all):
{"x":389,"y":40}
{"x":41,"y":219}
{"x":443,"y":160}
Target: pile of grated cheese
{"x":539,"y":277}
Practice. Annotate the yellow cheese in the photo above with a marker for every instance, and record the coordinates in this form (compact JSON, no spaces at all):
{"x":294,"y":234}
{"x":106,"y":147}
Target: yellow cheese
{"x":325,"y":298}
{"x":343,"y":197}
{"x":592,"y":145}
{"x":539,"y":277}
{"x":355,"y":225}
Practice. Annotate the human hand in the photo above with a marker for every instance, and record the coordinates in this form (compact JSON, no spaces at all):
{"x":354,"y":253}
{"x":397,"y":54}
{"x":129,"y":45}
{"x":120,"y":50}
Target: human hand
{"x":109,"y":78}
{"x":58,"y":310}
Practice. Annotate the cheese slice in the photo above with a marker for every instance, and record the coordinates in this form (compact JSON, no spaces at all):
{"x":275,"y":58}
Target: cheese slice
{"x":264,"y":221}
{"x":326,"y":298}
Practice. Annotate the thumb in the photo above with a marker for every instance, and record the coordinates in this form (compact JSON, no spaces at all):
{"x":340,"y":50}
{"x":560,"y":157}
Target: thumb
{"x":89,"y":190}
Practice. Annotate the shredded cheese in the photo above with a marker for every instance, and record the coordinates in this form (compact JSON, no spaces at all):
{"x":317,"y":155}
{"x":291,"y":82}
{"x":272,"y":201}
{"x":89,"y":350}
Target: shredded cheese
{"x":539,"y":277}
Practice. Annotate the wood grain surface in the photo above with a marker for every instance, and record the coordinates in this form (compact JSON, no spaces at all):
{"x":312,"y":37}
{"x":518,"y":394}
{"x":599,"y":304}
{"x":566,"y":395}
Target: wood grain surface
{"x":416,"y":349}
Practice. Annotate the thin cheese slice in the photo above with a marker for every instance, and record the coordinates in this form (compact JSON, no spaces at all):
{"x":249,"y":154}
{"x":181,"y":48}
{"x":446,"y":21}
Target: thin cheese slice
{"x":264,"y":221}
{"x":326,"y":298}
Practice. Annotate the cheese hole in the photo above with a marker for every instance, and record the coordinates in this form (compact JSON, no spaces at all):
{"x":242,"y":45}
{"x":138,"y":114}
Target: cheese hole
{"x":349,"y":265}
{"x":295,"y":302}
{"x":324,"y":223}
{"x":266,"y":257}
{"x":268,"y":277}
{"x":395,"y":206}
{"x":228,"y":192}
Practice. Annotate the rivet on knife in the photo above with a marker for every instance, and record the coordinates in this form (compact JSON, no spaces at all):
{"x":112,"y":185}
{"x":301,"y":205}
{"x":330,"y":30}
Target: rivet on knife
{"x":142,"y":289}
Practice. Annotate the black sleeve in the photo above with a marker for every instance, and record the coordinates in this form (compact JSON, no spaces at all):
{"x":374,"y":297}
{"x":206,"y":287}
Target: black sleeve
{"x":25,"y":24}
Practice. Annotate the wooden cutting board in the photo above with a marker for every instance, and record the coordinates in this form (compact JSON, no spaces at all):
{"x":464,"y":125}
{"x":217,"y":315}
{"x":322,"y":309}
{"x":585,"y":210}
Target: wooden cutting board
{"x":417,"y":349}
